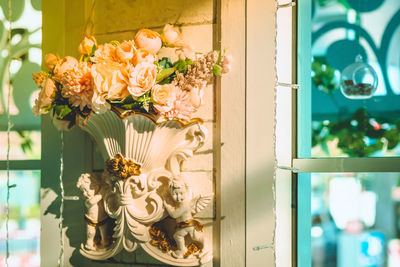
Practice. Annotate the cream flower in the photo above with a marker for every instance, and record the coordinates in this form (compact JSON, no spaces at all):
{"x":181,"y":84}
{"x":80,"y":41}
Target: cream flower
{"x":149,"y":40}
{"x":142,"y":78}
{"x":164,"y":97}
{"x":64,"y":65}
{"x":110,"y":80}
{"x":86,"y":46}
{"x":171,"y":36}
{"x":125,"y":51}
{"x":78,"y":85}
{"x":99,"y":104}
{"x":46,"y":97}
{"x":143,"y":55}
{"x":50,"y":61}
{"x":105,"y":53}
{"x":60,"y":125}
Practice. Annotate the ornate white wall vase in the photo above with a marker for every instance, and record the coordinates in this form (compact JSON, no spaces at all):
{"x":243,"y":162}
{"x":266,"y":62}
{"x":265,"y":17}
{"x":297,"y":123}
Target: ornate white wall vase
{"x":132,"y":203}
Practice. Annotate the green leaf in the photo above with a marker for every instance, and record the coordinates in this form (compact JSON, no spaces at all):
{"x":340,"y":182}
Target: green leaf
{"x":182,"y":65}
{"x":127,"y":100}
{"x":165,"y":63}
{"x":217,"y":70}
{"x":164,"y":74}
{"x":62,"y":111}
{"x":94,"y":47}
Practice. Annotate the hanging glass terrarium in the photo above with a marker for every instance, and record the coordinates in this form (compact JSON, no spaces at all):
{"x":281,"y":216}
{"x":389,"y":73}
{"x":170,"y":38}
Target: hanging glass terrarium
{"x":359,"y":80}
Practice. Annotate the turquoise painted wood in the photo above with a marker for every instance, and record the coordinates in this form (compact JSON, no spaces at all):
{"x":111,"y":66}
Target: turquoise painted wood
{"x":304,"y":132}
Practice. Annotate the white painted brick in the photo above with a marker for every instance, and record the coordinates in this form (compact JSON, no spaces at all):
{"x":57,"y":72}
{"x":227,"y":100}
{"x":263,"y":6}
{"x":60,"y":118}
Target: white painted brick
{"x":199,"y":162}
{"x":125,"y":15}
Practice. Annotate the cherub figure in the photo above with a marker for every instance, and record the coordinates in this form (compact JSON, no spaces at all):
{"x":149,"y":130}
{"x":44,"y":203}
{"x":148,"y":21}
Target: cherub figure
{"x":93,"y":190}
{"x":183,"y":212}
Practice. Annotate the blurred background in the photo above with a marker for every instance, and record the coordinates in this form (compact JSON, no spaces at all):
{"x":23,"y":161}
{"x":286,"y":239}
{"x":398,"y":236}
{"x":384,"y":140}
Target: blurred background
{"x":355,"y":216}
{"x":25,"y":144}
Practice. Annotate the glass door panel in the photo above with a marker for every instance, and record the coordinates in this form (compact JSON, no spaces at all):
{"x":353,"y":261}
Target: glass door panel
{"x":345,"y":120}
{"x":355,"y":219}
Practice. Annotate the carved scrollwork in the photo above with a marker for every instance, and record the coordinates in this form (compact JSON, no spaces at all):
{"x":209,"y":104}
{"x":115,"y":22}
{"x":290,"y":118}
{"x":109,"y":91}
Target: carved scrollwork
{"x":138,"y":181}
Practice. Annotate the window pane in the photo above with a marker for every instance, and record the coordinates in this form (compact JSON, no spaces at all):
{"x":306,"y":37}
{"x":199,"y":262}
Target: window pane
{"x":355,"y":219}
{"x":24,"y":223}
{"x":345,"y":123}
{"x":23,"y":145}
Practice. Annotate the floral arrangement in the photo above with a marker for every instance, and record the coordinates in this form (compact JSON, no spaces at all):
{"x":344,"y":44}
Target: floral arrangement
{"x":128,"y":76}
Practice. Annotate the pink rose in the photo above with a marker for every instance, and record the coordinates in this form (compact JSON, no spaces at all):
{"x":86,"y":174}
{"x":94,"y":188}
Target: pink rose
{"x":171,"y":36}
{"x":142,"y":78}
{"x":196,"y":97}
{"x":46,"y":97}
{"x":148,"y":40}
{"x":86,"y":46}
{"x":143,"y":55}
{"x":182,"y":107}
{"x":226,"y":63}
{"x":187,"y":51}
{"x":64,"y":65}
{"x":125,"y":51}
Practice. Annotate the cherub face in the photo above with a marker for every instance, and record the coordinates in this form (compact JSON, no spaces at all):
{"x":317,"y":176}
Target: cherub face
{"x":178,"y":194}
{"x":88,"y":190}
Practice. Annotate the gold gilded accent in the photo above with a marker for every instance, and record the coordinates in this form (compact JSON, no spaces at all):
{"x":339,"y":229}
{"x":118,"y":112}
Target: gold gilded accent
{"x":125,"y":114}
{"x":94,"y":223}
{"x":121,"y":167}
{"x":191,"y":249}
{"x":159,"y":239}
{"x":198,"y":226}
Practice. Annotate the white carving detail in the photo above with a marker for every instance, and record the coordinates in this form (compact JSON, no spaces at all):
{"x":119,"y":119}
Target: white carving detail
{"x":134,"y":204}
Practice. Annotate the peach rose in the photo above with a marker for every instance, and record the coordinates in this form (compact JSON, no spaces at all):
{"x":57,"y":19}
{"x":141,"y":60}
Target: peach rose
{"x":64,"y":65}
{"x":148,"y":40}
{"x":86,"y":46}
{"x":171,"y":36}
{"x":46,"y":97}
{"x":50,"y":60}
{"x":164,"y":97}
{"x":105,"y":53}
{"x":142,"y":78}
{"x":125,"y":51}
{"x":110,"y":80}
{"x":143,"y":55}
